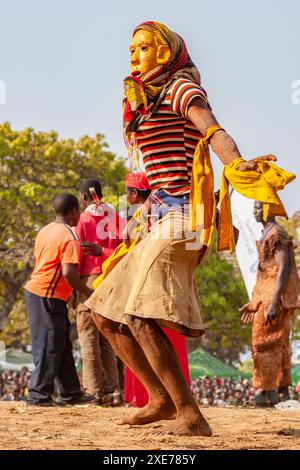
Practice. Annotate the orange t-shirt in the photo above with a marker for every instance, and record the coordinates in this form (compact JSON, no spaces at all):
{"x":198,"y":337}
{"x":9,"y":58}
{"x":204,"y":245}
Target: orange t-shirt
{"x":55,"y":244}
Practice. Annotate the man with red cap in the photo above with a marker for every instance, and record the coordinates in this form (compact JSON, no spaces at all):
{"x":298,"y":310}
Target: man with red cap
{"x":138,"y":190}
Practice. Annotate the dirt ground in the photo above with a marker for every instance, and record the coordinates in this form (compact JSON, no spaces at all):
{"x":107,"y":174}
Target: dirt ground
{"x":94,"y":427}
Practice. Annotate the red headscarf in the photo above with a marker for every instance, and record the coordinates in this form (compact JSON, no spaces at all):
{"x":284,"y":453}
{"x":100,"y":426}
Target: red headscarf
{"x":144,"y":91}
{"x":137,"y":181}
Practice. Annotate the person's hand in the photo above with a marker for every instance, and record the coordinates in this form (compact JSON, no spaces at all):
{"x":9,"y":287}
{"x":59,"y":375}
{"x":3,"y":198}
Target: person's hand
{"x":91,"y":248}
{"x":88,"y":291}
{"x":74,"y":299}
{"x":247,"y":314}
{"x":272,"y":312}
{"x":252,"y":165}
{"x":125,"y":236}
{"x":131,"y":225}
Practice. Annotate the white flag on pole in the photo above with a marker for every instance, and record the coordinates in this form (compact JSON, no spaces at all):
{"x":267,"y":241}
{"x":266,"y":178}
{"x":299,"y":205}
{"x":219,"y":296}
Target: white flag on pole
{"x":250,"y":231}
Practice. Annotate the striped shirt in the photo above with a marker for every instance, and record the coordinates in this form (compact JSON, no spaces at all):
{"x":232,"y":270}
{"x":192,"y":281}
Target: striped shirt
{"x":168,"y":139}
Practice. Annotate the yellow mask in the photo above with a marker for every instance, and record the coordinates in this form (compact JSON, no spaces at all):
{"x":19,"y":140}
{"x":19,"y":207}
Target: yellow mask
{"x":146,"y":53}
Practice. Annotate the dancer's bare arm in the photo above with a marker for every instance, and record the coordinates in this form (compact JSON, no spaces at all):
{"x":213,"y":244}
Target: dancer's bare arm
{"x":282,"y":260}
{"x":69,"y":271}
{"x":221,"y":143}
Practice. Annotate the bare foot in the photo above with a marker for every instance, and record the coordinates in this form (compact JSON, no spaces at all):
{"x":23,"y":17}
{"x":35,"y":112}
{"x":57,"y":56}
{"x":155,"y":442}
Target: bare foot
{"x":184,"y":426}
{"x":151,"y":413}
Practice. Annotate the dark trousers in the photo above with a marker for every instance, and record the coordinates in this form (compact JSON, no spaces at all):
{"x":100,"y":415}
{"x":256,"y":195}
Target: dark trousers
{"x":51,"y":349}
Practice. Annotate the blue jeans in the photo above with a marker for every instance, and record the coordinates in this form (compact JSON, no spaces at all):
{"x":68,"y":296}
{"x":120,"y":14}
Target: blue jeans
{"x":166,"y":203}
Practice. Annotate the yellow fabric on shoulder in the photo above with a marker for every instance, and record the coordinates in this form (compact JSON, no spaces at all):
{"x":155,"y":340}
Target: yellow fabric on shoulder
{"x":202,"y":199}
{"x":253,"y":185}
{"x":121,"y":250}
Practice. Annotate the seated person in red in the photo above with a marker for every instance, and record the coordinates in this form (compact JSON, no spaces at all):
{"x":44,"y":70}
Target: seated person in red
{"x":138,"y":190}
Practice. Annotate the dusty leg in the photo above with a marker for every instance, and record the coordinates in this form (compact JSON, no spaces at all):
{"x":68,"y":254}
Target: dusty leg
{"x":164,"y":362}
{"x":160,"y":405}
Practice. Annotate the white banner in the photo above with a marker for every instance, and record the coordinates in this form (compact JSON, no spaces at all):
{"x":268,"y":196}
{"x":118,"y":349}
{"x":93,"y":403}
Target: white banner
{"x":250,"y":231}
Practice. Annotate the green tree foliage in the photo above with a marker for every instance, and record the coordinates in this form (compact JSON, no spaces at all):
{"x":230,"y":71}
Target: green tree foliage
{"x":34,"y":167}
{"x":222,"y":293}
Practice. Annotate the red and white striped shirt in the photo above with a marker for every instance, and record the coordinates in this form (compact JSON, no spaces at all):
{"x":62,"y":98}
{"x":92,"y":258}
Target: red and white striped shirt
{"x":168,"y":139}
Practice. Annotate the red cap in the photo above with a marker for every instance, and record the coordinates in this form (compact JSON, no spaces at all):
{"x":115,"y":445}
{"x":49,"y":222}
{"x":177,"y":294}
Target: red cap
{"x":137,"y":181}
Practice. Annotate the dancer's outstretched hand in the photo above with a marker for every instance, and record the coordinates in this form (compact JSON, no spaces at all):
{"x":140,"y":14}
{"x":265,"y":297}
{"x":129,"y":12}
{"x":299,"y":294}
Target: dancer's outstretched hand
{"x":252,"y":165}
{"x":247,"y":313}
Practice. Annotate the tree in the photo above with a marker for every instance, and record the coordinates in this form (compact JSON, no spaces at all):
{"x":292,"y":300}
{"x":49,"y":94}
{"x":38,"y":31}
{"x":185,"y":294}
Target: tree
{"x":222,"y":293}
{"x":34,"y":168}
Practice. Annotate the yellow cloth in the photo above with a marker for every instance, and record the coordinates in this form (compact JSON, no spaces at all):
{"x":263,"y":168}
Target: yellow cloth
{"x":121,"y":250}
{"x":252,"y":184}
{"x":202,"y":199}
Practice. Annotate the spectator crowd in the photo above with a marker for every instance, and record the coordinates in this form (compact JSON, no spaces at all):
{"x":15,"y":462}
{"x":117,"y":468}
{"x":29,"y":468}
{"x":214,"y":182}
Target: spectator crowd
{"x":207,"y":391}
{"x":14,"y":385}
{"x":218,"y":391}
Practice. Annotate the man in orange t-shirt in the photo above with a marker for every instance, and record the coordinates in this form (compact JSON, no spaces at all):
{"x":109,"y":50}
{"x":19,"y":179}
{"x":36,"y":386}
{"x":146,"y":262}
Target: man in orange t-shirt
{"x":57,"y":257}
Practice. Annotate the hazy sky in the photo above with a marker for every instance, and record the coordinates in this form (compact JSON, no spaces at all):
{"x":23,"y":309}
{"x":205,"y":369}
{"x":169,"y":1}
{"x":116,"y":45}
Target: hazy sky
{"x":63,"y":63}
